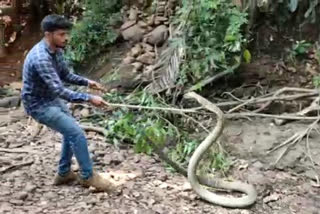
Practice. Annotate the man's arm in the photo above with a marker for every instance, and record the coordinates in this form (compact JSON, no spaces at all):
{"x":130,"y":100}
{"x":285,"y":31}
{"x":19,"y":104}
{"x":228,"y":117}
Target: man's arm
{"x":49,"y":75}
{"x":69,"y":77}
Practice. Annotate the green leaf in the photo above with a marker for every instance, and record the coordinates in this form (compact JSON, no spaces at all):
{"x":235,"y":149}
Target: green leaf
{"x":247,"y":56}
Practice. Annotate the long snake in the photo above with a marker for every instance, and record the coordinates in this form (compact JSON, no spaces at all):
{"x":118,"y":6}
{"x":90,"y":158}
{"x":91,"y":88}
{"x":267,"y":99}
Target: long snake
{"x":196,"y":181}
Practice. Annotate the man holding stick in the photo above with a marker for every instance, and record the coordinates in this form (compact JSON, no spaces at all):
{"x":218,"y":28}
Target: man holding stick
{"x":42,"y":93}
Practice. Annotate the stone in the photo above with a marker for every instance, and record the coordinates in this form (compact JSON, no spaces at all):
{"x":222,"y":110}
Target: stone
{"x":147,"y":47}
{"x":150,"y":20}
{"x":16,"y":202}
{"x":127,"y":24}
{"x":84,"y":112}
{"x":136,"y":50}
{"x":158,"y":36}
{"x":161,"y":19}
{"x":146,"y":58}
{"x":133,"y":14}
{"x":128,"y":60}
{"x":142,"y":24}
{"x":21,"y":196}
{"x":134,"y":34}
{"x":138,"y":66}
{"x":30,"y":188}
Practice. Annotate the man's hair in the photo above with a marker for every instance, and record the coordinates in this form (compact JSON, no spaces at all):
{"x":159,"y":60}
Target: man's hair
{"x":54,"y":22}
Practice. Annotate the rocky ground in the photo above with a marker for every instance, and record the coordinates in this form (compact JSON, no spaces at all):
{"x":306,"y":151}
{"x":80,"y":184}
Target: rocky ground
{"x":145,"y":186}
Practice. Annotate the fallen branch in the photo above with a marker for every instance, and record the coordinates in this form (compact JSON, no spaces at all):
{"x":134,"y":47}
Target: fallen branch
{"x":285,"y":117}
{"x":190,"y":110}
{"x":207,"y":81}
{"x":314,"y":106}
{"x":282,"y":90}
{"x":296,"y":138}
{"x":16,"y":166}
{"x":19,"y":151}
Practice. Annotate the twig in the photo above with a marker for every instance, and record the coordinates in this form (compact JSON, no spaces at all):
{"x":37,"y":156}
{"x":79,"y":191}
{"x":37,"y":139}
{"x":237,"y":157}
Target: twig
{"x":266,"y":99}
{"x":190,"y":110}
{"x":250,"y":114}
{"x":232,"y":96}
{"x":282,"y":90}
{"x":294,"y":140}
{"x":16,"y":166}
{"x":197,"y":122}
{"x":209,"y":80}
{"x":15,"y":151}
{"x":239,"y":106}
{"x":314,"y":106}
{"x":283,"y":144}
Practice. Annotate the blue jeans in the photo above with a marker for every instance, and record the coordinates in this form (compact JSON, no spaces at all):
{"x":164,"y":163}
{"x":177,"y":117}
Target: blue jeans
{"x":57,"y":117}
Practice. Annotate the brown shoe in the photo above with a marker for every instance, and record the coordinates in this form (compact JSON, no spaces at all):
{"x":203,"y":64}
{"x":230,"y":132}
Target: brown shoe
{"x":98,"y":182}
{"x":68,"y":178}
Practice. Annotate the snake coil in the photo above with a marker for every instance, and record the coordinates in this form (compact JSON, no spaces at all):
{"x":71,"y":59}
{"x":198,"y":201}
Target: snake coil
{"x":196,"y":181}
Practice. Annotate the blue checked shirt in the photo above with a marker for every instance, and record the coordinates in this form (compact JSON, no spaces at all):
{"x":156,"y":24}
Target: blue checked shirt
{"x":43,"y":73}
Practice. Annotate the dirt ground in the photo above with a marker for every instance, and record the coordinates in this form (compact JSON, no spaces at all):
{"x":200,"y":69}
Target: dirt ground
{"x":289,"y":187}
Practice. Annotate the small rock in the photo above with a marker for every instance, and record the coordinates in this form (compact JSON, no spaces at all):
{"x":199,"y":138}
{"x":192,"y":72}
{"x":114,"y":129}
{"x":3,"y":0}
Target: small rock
{"x":147,"y":47}
{"x":163,"y":186}
{"x":21,"y":196}
{"x":30,"y":188}
{"x":128,"y":60}
{"x":161,"y":19}
{"x":134,"y":34}
{"x":158,"y":36}
{"x":136,"y":50}
{"x":49,"y":195}
{"x":150,"y":20}
{"x":138,"y":66}
{"x":84,"y":112}
{"x":127,"y":24}
{"x":133,"y":14}
{"x":6,"y":207}
{"x":186,"y":186}
{"x":16,"y":202}
{"x":146,"y":59}
{"x":142,"y":24}
{"x":271,"y":198}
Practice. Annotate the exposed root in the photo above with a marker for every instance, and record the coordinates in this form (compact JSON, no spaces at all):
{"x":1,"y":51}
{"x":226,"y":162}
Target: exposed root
{"x":15,"y":167}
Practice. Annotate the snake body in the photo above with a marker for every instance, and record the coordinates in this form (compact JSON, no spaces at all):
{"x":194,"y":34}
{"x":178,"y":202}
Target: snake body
{"x":196,"y":181}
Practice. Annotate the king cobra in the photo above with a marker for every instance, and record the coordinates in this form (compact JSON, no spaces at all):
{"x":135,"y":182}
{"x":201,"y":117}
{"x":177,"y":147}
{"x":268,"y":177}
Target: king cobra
{"x":196,"y":181}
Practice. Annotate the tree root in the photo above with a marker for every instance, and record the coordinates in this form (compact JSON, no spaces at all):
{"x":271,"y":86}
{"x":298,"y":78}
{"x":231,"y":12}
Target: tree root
{"x":15,"y":167}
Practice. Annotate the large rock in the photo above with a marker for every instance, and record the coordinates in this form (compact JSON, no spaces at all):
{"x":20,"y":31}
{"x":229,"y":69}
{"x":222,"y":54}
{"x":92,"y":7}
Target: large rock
{"x":146,"y":58}
{"x":133,"y":14}
{"x":136,"y":50}
{"x":134,"y":34}
{"x":158,"y":36}
{"x":127,"y":24}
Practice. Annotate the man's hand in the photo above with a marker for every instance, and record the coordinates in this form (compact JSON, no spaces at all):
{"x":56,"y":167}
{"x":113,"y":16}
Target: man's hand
{"x":95,"y":85}
{"x":96,"y":100}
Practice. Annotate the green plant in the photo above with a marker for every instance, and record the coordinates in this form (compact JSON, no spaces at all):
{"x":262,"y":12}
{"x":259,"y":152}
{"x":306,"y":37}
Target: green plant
{"x":94,"y":32}
{"x":213,"y":38}
{"x":299,"y":50}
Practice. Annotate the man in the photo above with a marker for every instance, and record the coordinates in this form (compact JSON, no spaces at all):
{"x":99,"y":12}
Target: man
{"x":42,"y":93}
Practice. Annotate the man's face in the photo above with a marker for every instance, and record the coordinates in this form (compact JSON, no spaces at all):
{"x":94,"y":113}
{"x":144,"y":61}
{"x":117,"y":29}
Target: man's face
{"x":59,"y":38}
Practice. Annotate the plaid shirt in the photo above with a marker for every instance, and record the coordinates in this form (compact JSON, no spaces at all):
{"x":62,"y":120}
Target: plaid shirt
{"x":43,"y":73}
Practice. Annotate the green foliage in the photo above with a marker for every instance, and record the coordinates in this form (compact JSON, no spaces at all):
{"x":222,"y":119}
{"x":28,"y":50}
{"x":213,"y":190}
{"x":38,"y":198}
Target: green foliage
{"x":94,"y":32}
{"x":299,"y":50}
{"x":148,"y":130}
{"x":213,"y":37}
{"x":220,"y":162}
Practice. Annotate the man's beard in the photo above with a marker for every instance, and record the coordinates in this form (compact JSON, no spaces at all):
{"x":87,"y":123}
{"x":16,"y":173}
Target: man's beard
{"x":62,"y":47}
